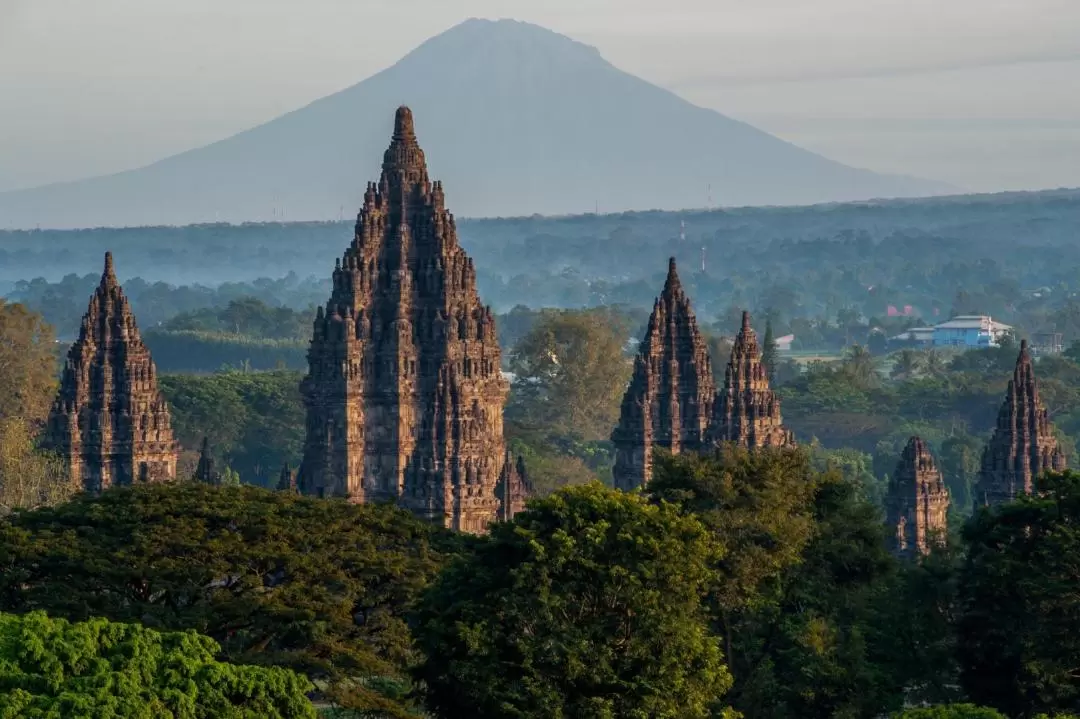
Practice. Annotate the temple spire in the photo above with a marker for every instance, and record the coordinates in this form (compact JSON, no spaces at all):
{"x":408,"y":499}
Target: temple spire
{"x":917,"y":502}
{"x":669,"y":401}
{"x":109,"y":422}
{"x":747,"y":411}
{"x":108,"y":275}
{"x":404,"y":129}
{"x":1023,"y":445}
{"x":404,"y":394}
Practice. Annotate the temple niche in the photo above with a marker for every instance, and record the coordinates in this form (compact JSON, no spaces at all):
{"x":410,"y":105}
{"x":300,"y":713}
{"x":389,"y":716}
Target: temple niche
{"x":109,"y":422}
{"x":404,"y":392}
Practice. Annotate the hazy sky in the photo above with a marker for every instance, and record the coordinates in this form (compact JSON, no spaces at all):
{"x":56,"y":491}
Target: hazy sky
{"x":981,"y":93}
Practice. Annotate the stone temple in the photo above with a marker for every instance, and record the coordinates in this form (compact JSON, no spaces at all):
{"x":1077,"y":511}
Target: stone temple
{"x":672,"y":402}
{"x":109,"y":422}
{"x":747,"y":411}
{"x":917,"y":503}
{"x":670,"y":398}
{"x":404,"y":393}
{"x":1023,"y":445}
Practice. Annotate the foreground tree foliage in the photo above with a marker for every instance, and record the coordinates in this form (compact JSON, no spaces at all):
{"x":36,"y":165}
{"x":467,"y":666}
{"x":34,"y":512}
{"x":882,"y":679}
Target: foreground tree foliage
{"x":1019,"y":623}
{"x":803,"y":590}
{"x":51,"y":668}
{"x":313,"y":585}
{"x":586,"y":606}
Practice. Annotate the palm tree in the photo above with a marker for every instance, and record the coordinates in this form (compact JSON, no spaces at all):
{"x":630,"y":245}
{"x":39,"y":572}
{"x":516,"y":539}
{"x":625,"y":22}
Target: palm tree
{"x":861,"y":366}
{"x":907,"y":364}
{"x":934,"y":364}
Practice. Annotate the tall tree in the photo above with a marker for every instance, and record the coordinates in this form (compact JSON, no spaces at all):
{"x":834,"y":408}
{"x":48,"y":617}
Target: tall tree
{"x":820,"y":643}
{"x":570,"y":373}
{"x":27,"y":364}
{"x":587,"y":605}
{"x":29,"y":478}
{"x":1019,"y":623}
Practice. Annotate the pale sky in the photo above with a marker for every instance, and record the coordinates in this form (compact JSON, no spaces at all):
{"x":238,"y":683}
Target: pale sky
{"x":984,"y":94}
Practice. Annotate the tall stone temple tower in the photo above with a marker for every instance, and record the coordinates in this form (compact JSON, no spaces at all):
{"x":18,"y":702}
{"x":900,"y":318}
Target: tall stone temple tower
{"x":917,"y":502}
{"x":109,"y":421}
{"x":404,"y":393}
{"x":670,"y":398}
{"x":747,"y":411}
{"x":1023,"y":445}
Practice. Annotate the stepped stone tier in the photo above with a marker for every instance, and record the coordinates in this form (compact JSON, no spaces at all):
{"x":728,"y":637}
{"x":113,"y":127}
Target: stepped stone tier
{"x":1023,"y":445}
{"x":747,"y":411}
{"x":670,"y":398}
{"x":205,"y":471}
{"x":404,"y":393}
{"x":109,"y":421}
{"x":917,"y":502}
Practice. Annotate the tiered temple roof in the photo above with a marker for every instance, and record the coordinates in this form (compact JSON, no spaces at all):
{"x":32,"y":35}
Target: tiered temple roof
{"x":917,"y":503}
{"x":109,"y":422}
{"x":404,"y":392}
{"x":670,"y":398}
{"x":747,"y":411}
{"x":1023,"y":444}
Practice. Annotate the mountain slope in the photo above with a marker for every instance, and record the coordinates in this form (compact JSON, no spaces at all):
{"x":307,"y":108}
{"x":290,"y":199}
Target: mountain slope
{"x":515,"y":119}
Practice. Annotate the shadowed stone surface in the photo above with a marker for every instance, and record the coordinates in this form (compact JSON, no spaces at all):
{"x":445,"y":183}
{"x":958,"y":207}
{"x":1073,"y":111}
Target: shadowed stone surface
{"x":404,"y":393}
{"x":514,"y":488}
{"x":669,"y":401}
{"x":205,"y":470}
{"x":1023,"y":445}
{"x":917,"y":502}
{"x":747,"y":411}
{"x":109,"y":421}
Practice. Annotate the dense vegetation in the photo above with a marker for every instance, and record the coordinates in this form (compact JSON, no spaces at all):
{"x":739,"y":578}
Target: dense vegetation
{"x":51,"y":668}
{"x":738,"y":582}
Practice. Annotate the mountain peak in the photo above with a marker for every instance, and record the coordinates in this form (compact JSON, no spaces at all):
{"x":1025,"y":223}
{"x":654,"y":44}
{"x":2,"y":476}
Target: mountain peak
{"x":517,"y":119}
{"x":504,"y":37}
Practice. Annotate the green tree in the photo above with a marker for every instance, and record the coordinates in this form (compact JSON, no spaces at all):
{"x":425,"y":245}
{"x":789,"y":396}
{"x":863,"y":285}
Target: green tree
{"x":757,"y":505}
{"x":906,"y":364}
{"x":1019,"y":623}
{"x":254,"y":420}
{"x":822,"y":645}
{"x":318,"y":586}
{"x":50,"y":668}
{"x":27,"y":364}
{"x":570,"y":373}
{"x":861,"y":367}
{"x":29,"y":478}
{"x":587,"y":605}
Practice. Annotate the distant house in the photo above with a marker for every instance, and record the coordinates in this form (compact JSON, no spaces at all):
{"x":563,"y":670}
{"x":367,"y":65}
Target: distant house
{"x":916,"y":335}
{"x":783,"y":344}
{"x":1047,"y":343}
{"x":969,"y":331}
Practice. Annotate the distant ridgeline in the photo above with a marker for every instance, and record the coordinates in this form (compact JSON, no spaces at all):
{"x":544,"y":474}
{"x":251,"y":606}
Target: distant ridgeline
{"x":802,"y":261}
